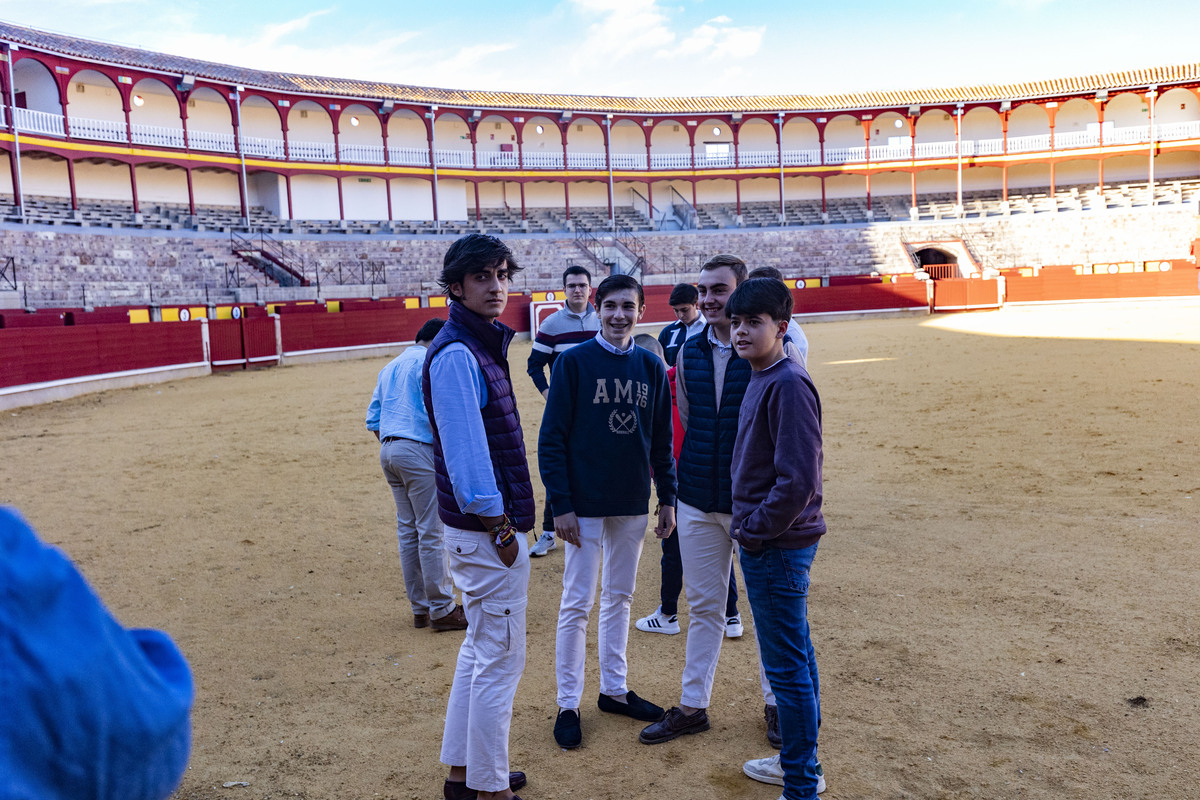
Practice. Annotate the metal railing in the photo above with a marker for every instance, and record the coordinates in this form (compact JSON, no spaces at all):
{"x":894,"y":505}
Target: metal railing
{"x":52,"y":124}
{"x":215,"y":142}
{"x":157,"y":135}
{"x":8,"y":274}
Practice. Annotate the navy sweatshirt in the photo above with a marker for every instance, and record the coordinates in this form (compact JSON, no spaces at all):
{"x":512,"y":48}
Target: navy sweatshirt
{"x":607,"y":425}
{"x":777,"y":459}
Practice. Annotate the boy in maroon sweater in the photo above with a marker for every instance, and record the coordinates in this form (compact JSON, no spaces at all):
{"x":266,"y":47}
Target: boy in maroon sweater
{"x":777,"y":521}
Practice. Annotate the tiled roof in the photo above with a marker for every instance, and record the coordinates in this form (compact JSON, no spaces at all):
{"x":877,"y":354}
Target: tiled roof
{"x":91,"y":50}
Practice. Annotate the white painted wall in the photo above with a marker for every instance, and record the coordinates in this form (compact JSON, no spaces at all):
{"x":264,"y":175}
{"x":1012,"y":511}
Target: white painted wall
{"x":309,"y":122}
{"x":452,"y":199}
{"x":492,"y":133}
{"x":161,"y":185}
{"x":406,"y":129}
{"x":41,"y":176}
{"x":757,"y":135}
{"x":268,"y":190}
{"x":216,"y":188}
{"x":800,"y":134}
{"x":670,"y":137}
{"x":627,"y":138}
{"x":98,"y":99}
{"x":208,"y":112}
{"x":314,"y":197}
{"x":585,"y":136}
{"x":843,"y":131}
{"x":41,"y":92}
{"x":103,"y":182}
{"x":160,"y":106}
{"x":411,"y":199}
{"x":364,"y":198}
{"x":368,"y":130}
{"x":260,"y":119}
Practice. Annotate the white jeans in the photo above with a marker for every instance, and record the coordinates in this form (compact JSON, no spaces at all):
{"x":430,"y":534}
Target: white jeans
{"x":408,"y":467}
{"x":491,"y":659}
{"x":618,"y":542}
{"x":706,"y":550}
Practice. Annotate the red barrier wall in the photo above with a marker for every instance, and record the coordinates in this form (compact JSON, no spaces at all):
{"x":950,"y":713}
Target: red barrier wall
{"x":239,"y":343}
{"x":49,"y":354}
{"x":955,"y":294}
{"x":862,"y":297}
{"x":1063,"y":284}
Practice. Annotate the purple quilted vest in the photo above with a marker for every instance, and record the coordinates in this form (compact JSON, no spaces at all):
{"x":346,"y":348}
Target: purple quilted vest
{"x":506,"y":443}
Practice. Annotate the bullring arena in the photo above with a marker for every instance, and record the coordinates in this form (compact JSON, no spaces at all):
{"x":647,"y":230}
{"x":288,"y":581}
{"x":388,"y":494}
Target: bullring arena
{"x":1004,"y":604}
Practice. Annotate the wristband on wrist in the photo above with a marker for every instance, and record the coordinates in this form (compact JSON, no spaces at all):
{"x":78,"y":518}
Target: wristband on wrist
{"x":504,"y":532}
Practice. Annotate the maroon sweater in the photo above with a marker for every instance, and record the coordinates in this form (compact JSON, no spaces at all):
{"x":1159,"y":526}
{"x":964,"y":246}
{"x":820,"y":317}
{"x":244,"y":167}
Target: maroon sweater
{"x":777,"y":461}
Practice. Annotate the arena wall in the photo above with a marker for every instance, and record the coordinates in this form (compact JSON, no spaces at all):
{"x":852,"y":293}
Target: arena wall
{"x":106,"y":268}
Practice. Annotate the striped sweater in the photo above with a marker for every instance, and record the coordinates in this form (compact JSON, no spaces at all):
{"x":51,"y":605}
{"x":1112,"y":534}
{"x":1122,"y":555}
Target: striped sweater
{"x":561,"y":331}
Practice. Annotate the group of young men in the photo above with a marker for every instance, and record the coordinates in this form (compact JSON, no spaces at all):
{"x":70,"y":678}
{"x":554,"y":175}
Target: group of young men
{"x":748,"y":481}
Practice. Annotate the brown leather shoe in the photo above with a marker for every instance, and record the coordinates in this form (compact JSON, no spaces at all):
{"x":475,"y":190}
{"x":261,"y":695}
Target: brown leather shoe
{"x":456,"y":620}
{"x":420,"y":620}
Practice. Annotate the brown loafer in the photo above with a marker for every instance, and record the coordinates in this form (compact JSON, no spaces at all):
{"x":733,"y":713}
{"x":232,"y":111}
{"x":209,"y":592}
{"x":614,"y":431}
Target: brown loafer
{"x":420,"y":620}
{"x":457,"y":790}
{"x":456,"y":620}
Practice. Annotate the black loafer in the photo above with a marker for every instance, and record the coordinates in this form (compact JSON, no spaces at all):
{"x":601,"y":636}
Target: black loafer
{"x":567,"y":732}
{"x":634,"y":707}
{"x":457,"y":790}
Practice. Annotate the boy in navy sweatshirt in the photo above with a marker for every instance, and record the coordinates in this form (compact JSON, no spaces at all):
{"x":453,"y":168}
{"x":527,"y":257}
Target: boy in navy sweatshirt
{"x":777,"y":520}
{"x":606,"y":427}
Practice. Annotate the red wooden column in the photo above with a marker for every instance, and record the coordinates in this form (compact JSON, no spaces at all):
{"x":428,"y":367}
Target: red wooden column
{"x":133,"y":187}
{"x":607,"y":131}
{"x":335,"y":120}
{"x":191,"y":192}
{"x":1051,"y":112}
{"x":341,"y":202}
{"x":287,"y":184}
{"x":866,"y":126}
{"x":823,"y":191}
{"x":387,"y":188}
{"x":912,"y":140}
{"x":735,"y":127}
{"x":183,"y":119}
{"x":562,"y":132}
{"x":1004,"y":136}
{"x":430,"y":119}
{"x":567,"y":196}
{"x":283,"y":127}
{"x":650,"y":198}
{"x":477,"y":215}
{"x":387,"y":160}
{"x":1100,"y":158}
{"x":521,"y":186}
{"x":125,"y":106}
{"x":71,"y":183}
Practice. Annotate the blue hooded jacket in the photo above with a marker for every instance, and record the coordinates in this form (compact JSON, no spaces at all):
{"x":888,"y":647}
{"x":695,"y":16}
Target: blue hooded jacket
{"x":88,"y":709}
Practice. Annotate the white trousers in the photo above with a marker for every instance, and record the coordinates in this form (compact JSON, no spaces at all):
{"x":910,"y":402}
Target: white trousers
{"x":706,"y":550}
{"x":617,"y":543}
{"x":491,"y":659}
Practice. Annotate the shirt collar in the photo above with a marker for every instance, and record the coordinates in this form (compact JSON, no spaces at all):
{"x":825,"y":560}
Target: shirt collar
{"x":715,"y":342}
{"x":607,"y":345}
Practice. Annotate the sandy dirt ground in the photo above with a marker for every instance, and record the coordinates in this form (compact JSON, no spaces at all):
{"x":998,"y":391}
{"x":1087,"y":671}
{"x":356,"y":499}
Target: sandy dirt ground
{"x":1005,"y":605}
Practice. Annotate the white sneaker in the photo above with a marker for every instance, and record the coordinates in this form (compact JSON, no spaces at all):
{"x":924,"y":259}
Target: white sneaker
{"x":543,"y":545}
{"x":733,"y":627}
{"x":658,"y":622}
{"x":767,"y":770}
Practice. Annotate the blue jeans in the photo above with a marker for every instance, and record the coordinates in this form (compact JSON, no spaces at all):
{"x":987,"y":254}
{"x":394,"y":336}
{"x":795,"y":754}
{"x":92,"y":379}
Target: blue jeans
{"x":777,"y":585}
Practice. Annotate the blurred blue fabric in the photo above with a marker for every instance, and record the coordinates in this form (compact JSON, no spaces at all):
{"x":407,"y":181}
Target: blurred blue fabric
{"x":88,"y":709}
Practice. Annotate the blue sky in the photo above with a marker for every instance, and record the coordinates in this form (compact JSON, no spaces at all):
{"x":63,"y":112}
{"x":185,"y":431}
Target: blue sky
{"x":645,"y":47}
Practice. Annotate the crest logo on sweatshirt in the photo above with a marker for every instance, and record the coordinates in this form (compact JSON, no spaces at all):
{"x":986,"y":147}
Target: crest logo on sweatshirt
{"x":622,"y":421}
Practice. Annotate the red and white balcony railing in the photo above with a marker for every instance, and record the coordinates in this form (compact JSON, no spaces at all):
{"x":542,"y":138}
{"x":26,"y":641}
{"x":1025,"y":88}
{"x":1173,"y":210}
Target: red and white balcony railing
{"x":49,"y":124}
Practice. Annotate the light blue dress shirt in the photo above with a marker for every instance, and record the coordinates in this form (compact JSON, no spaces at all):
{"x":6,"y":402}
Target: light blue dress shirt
{"x":398,"y":405}
{"x":459,"y":392}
